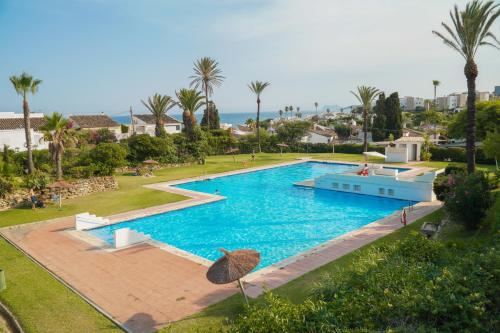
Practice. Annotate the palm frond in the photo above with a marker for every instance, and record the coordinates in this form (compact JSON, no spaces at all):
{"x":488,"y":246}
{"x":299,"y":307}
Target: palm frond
{"x":471,"y":28}
{"x":206,"y":74}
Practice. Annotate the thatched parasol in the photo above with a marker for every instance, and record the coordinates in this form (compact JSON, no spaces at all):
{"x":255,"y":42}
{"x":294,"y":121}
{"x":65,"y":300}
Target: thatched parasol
{"x":60,"y":184}
{"x":150,"y":162}
{"x":282,"y":145}
{"x":232,"y":151}
{"x":233,"y":266}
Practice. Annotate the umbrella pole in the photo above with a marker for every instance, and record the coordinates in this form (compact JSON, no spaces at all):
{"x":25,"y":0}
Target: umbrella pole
{"x":60,"y":199}
{"x":243,"y":291}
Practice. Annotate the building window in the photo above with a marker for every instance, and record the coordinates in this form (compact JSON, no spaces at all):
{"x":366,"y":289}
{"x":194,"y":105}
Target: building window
{"x":390,"y":192}
{"x":357,"y":188}
{"x":345,"y":187}
{"x":335,"y":185}
{"x":381,"y":191}
{"x":177,"y":127}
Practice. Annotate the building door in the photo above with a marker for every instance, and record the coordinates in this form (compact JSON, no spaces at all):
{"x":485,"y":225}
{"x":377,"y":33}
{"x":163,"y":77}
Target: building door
{"x":414,"y":152}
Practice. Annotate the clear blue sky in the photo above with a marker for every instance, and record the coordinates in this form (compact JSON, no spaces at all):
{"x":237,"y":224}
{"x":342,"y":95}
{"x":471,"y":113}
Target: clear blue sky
{"x":104,"y":55}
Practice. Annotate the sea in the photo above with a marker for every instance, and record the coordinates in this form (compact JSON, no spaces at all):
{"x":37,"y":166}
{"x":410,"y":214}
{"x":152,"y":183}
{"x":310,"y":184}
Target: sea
{"x":236,"y":118}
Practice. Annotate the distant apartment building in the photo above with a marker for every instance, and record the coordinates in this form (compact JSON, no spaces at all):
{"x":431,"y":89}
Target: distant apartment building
{"x":457,"y":101}
{"x":409,"y":103}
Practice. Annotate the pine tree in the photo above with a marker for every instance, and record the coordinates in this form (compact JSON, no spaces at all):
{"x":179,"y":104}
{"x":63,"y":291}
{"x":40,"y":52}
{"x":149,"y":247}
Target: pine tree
{"x":379,"y":129}
{"x":213,"y":114}
{"x":394,"y":120}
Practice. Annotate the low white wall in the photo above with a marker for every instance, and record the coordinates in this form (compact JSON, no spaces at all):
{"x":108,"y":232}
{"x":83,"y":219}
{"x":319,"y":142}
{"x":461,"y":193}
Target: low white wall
{"x":395,"y":154}
{"x":86,"y":221}
{"x":418,"y":189}
{"x":125,"y":237}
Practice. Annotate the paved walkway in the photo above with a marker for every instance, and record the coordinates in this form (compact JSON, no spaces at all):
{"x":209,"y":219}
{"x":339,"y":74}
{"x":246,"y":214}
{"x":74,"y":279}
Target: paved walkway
{"x":142,"y":287}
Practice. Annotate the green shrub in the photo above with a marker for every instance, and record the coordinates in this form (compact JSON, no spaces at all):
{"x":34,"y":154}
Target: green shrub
{"x":454,"y":169}
{"x":441,"y":186}
{"x":106,"y":157}
{"x":413,"y":285}
{"x":468,"y":198}
{"x":38,"y":180}
{"x":142,"y":147}
{"x":6,"y":186}
{"x":456,"y":154}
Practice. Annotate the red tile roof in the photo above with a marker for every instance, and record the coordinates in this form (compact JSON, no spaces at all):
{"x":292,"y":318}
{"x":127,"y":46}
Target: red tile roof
{"x":93,"y":121}
{"x":17,"y":123}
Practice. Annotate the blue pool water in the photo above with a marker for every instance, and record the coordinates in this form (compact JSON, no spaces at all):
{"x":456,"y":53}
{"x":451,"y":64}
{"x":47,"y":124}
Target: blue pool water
{"x":263,"y":211}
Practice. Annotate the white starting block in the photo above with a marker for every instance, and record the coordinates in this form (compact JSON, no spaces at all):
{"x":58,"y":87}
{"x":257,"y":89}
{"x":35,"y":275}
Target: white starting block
{"x":86,"y":221}
{"x":125,"y":237}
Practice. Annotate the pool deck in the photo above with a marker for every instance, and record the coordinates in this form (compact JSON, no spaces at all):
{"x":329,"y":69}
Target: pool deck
{"x":146,"y":286}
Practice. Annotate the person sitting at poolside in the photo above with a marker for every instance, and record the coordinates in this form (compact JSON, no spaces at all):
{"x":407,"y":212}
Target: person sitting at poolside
{"x":364,"y":172}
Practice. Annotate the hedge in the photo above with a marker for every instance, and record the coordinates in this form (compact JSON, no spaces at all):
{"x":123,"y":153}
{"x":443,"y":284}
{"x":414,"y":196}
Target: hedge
{"x":456,"y":154}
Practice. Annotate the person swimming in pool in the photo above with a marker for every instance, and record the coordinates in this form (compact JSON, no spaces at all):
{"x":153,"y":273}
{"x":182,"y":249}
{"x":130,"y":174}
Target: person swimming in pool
{"x":217,"y":192}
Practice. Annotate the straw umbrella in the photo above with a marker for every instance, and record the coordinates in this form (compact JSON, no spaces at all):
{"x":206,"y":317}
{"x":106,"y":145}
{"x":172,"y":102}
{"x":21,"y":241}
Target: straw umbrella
{"x":60,"y":184}
{"x":233,"y":266}
{"x":150,"y":163}
{"x":282,"y":145}
{"x":232,"y":151}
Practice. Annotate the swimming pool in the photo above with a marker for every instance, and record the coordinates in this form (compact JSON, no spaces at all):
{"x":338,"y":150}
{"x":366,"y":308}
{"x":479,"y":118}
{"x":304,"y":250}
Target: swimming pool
{"x":263,"y":211}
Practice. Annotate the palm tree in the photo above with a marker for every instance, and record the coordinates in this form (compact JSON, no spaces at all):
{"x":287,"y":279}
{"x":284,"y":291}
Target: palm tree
{"x":57,"y":131}
{"x":297,"y":113}
{"x":471,"y":29}
{"x":190,"y":101}
{"x":257,"y":88}
{"x":435,"y":83}
{"x":286,"y":111}
{"x":280,"y":112}
{"x":158,"y":105}
{"x":25,"y":84}
{"x":366,"y":96}
{"x":208,"y":76}
{"x":316,"y":106}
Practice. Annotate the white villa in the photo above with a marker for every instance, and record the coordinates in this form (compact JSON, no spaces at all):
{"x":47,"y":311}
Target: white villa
{"x":95,"y":122}
{"x":407,"y":148}
{"x":145,"y":124}
{"x":320,"y":134}
{"x":12,"y":131}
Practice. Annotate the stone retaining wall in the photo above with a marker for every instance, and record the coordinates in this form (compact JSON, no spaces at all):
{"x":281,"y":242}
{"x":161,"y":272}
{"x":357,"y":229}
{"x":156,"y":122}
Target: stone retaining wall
{"x":80,"y":188}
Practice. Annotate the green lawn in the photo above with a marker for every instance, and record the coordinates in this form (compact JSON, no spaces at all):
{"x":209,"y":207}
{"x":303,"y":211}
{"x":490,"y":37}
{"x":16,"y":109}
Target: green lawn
{"x":42,"y":304}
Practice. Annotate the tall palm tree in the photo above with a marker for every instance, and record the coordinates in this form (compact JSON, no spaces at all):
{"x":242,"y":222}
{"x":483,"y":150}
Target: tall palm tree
{"x":24,"y":85}
{"x":286,"y":111}
{"x":190,"y":101}
{"x":471,"y":29}
{"x":57,"y":131}
{"x":280,"y":112}
{"x":366,"y":96}
{"x":297,"y":113}
{"x":257,"y":88}
{"x":316,"y":106}
{"x":208,"y":76}
{"x":435,"y":83}
{"x":158,"y":105}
